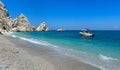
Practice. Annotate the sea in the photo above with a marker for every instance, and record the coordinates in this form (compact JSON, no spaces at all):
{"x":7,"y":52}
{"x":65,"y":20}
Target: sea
{"x":102,"y":50}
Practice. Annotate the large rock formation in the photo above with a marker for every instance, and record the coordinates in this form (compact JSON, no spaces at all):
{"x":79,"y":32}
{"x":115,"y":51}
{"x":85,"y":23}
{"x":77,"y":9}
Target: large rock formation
{"x":5,"y":21}
{"x":42,"y":27}
{"x":21,"y":24}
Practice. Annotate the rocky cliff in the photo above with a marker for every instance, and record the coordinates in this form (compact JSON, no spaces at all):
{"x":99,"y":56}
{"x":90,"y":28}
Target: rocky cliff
{"x":7,"y":25}
{"x":42,"y":27}
{"x":5,"y":21}
{"x":21,"y":24}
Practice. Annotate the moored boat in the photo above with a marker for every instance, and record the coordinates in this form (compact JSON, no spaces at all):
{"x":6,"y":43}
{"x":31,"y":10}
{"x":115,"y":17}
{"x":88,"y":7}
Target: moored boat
{"x":86,"y":33}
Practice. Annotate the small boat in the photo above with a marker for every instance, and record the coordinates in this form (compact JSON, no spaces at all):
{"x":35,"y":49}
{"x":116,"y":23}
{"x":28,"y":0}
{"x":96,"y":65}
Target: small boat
{"x":86,"y":33}
{"x":60,"y":30}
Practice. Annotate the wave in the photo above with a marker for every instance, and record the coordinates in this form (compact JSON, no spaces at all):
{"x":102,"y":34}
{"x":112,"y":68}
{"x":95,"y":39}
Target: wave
{"x":82,"y":57}
{"x":106,"y":57}
{"x":100,"y":61}
{"x":40,"y":42}
{"x":13,"y":36}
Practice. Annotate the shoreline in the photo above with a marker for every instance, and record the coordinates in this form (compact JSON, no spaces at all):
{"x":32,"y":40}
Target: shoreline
{"x":50,"y":59}
{"x":15,"y":58}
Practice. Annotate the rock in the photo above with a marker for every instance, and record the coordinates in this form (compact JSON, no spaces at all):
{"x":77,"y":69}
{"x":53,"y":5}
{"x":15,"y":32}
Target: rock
{"x":42,"y":27}
{"x":21,"y":24}
{"x":5,"y":21}
{"x":7,"y":66}
{"x":60,"y":30}
{"x":7,"y":25}
{"x":15,"y":51}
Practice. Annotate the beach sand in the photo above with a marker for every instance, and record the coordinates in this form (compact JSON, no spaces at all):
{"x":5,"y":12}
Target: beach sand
{"x":17,"y":54}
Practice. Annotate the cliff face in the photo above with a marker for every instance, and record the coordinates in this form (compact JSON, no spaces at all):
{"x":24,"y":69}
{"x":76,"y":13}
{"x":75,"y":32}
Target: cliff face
{"x":42,"y":27}
{"x":21,"y":24}
{"x":7,"y":25}
{"x":5,"y":21}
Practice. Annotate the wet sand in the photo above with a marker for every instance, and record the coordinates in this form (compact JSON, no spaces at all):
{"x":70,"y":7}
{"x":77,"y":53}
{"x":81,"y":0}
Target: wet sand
{"x":17,"y":54}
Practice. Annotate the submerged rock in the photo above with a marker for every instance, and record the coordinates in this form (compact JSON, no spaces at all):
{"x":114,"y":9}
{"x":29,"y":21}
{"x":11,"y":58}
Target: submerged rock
{"x":21,"y":24}
{"x":42,"y":27}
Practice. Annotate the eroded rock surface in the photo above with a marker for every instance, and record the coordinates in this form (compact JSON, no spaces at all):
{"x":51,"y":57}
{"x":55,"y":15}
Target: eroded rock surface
{"x":21,"y":24}
{"x":42,"y":27}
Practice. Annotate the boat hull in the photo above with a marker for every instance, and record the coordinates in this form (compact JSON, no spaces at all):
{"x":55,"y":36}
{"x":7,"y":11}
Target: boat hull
{"x":86,"y":34}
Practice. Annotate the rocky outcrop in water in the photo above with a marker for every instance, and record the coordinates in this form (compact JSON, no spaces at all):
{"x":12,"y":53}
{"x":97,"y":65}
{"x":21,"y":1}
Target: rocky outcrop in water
{"x":5,"y":21}
{"x":42,"y":27}
{"x":7,"y":25}
{"x":21,"y":24}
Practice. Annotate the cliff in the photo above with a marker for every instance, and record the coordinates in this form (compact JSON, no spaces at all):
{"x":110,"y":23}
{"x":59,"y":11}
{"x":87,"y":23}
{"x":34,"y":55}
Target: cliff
{"x":21,"y":24}
{"x":5,"y":21}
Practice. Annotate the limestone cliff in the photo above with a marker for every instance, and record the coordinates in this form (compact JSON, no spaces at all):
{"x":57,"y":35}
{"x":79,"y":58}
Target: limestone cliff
{"x":21,"y":24}
{"x":42,"y":27}
{"x":5,"y":21}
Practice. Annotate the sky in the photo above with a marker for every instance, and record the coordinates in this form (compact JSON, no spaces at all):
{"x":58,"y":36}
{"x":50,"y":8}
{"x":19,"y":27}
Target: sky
{"x":68,"y":14}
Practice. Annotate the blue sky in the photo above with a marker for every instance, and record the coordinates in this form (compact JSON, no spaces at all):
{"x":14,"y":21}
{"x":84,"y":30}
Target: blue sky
{"x":68,"y":14}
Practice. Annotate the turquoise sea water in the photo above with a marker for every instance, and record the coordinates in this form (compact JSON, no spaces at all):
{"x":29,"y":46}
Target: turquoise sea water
{"x":102,"y":51}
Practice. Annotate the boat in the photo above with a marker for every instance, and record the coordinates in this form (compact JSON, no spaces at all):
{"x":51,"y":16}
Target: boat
{"x":60,"y":30}
{"x":86,"y":33}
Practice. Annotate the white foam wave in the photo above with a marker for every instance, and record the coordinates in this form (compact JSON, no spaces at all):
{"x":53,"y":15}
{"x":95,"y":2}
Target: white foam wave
{"x":99,"y":62}
{"x":40,"y":42}
{"x":82,"y":56}
{"x":13,"y":36}
{"x":106,"y":57}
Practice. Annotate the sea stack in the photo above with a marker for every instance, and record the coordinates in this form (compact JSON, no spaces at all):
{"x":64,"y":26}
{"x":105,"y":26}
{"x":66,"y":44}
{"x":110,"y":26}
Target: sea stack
{"x":21,"y":24}
{"x":5,"y":21}
{"x":42,"y":27}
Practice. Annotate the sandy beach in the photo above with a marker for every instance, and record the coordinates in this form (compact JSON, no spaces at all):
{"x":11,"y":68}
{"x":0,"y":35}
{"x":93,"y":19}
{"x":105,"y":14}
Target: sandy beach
{"x":17,"y":54}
